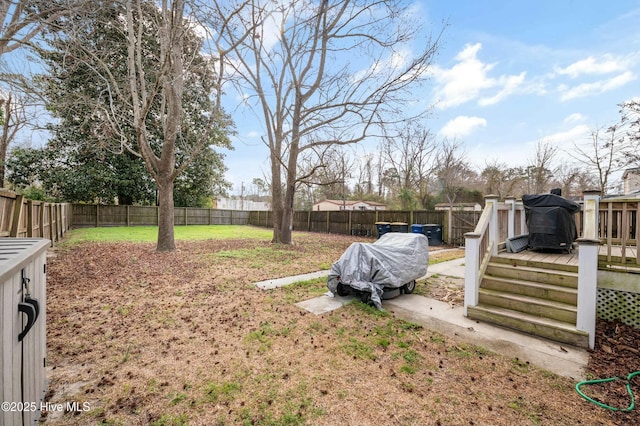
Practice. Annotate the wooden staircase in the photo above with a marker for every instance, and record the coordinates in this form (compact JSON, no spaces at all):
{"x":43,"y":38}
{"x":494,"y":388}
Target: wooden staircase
{"x":531,"y":296}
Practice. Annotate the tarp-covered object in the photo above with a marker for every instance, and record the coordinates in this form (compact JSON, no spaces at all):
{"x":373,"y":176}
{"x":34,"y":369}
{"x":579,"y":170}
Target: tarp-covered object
{"x":551,"y":222}
{"x":391,"y":262}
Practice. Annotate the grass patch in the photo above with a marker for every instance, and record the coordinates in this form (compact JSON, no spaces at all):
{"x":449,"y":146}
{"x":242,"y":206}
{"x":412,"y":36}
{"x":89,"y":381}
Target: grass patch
{"x":215,"y":392}
{"x":358,"y":349}
{"x":445,"y":256}
{"x":149,"y":234}
{"x":371,"y":310}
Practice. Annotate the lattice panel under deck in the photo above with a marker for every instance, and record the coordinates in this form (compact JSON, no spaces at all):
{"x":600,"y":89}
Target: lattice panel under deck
{"x":619,"y":305}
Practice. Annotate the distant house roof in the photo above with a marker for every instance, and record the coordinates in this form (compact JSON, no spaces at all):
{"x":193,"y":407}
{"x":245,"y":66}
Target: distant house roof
{"x":630,"y":171}
{"x":351,"y":202}
{"x":348,"y":205}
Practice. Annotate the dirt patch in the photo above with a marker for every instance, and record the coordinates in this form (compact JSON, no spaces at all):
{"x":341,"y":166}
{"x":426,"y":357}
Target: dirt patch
{"x":184,"y":338}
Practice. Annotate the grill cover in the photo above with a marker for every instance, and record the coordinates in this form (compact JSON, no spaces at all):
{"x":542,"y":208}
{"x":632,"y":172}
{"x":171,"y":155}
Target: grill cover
{"x":551,"y":222}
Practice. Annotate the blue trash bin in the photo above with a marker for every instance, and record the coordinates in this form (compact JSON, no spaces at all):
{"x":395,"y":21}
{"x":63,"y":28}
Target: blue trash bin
{"x":433,"y":231}
{"x":416,"y":228}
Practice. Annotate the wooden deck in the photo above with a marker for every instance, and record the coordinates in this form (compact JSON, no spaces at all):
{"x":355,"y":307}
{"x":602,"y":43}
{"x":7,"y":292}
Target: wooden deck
{"x":544,"y":257}
{"x":566,"y":258}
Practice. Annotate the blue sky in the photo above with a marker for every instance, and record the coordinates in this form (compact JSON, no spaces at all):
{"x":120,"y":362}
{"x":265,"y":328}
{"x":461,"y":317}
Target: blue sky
{"x":508,"y":75}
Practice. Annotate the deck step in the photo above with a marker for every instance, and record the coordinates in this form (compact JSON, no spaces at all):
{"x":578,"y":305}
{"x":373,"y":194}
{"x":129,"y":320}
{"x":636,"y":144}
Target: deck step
{"x":546,"y":308}
{"x":534,"y":274}
{"x":558,"y":265}
{"x":532,"y":289}
{"x":558,"y":331}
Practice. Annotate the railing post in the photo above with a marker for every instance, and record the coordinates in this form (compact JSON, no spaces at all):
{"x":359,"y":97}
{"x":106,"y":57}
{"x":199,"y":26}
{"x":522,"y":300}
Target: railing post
{"x":471,"y":269}
{"x":491,"y":202}
{"x":511,"y":220}
{"x":523,"y":217}
{"x":589,"y":246}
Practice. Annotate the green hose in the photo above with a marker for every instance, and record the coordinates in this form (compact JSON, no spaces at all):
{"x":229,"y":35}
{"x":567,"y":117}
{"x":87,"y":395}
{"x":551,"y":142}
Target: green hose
{"x":611,"y":379}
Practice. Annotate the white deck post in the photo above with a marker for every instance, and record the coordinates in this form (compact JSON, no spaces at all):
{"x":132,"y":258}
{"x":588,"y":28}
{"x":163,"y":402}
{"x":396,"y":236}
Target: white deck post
{"x":523,"y":218}
{"x":511,"y":224}
{"x":491,"y":202}
{"x":471,"y":269}
{"x":588,"y":267}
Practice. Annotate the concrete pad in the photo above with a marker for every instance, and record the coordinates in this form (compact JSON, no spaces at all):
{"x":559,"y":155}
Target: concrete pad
{"x":558,"y":358}
{"x":450,"y":268}
{"x":281,"y":282}
{"x":323,"y":304}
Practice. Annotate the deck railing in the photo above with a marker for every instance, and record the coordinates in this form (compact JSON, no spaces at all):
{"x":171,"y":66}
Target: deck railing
{"x":618,"y":231}
{"x":480,"y":245}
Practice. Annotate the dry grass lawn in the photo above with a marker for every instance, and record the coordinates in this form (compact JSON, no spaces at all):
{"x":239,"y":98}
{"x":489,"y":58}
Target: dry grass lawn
{"x":185,"y":338}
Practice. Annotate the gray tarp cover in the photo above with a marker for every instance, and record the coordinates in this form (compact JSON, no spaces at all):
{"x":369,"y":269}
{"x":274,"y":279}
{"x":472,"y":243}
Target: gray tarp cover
{"x":392,"y":261}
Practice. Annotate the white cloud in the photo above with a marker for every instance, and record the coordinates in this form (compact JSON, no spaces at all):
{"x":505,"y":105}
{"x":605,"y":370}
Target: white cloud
{"x":575,"y":134}
{"x":462,"y":126}
{"x":469,"y":77}
{"x":254,"y":134}
{"x":463,"y":81}
{"x":509,"y":83}
{"x":591,"y":65}
{"x":576,"y":117}
{"x":596,"y":87}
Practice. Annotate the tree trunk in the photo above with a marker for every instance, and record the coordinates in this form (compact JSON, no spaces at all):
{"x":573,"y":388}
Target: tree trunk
{"x":4,"y":137}
{"x":276,"y":200}
{"x":286,"y":227}
{"x":166,"y":241}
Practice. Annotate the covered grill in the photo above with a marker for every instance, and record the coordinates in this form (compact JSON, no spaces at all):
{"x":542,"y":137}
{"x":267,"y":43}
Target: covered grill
{"x":551,"y":222}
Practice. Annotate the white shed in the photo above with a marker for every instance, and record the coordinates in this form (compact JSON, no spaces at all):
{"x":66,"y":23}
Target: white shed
{"x":22,"y":329}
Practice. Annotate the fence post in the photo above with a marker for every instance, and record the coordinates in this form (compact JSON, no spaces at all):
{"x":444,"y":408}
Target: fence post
{"x":17,"y":213}
{"x":51,"y":231}
{"x":589,"y":246}
{"x":450,"y":221}
{"x":29,"y":218}
{"x":328,"y":222}
{"x":43,"y":206}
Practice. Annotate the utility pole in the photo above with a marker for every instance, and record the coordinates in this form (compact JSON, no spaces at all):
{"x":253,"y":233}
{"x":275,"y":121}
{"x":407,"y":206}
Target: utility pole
{"x":242,"y":196}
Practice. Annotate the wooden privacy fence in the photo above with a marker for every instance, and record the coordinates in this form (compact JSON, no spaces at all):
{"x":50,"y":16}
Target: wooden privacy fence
{"x":20,"y":217}
{"x":96,"y":215}
{"x":349,"y":222}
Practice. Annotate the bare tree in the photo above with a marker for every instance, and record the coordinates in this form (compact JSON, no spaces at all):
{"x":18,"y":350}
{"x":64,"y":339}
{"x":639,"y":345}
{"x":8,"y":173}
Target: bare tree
{"x":541,"y":167}
{"x":573,"y":180}
{"x":453,"y":171}
{"x":500,"y":179}
{"x":366,"y":173}
{"x":602,"y":155}
{"x":328,"y":171}
{"x":412,"y":153}
{"x":320,"y":73}
{"x":22,"y":20}
{"x":630,"y":124}
{"x":12,"y":119}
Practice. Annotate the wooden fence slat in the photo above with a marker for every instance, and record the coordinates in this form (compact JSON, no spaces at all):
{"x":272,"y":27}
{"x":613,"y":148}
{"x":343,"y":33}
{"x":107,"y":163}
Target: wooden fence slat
{"x":21,"y":217}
